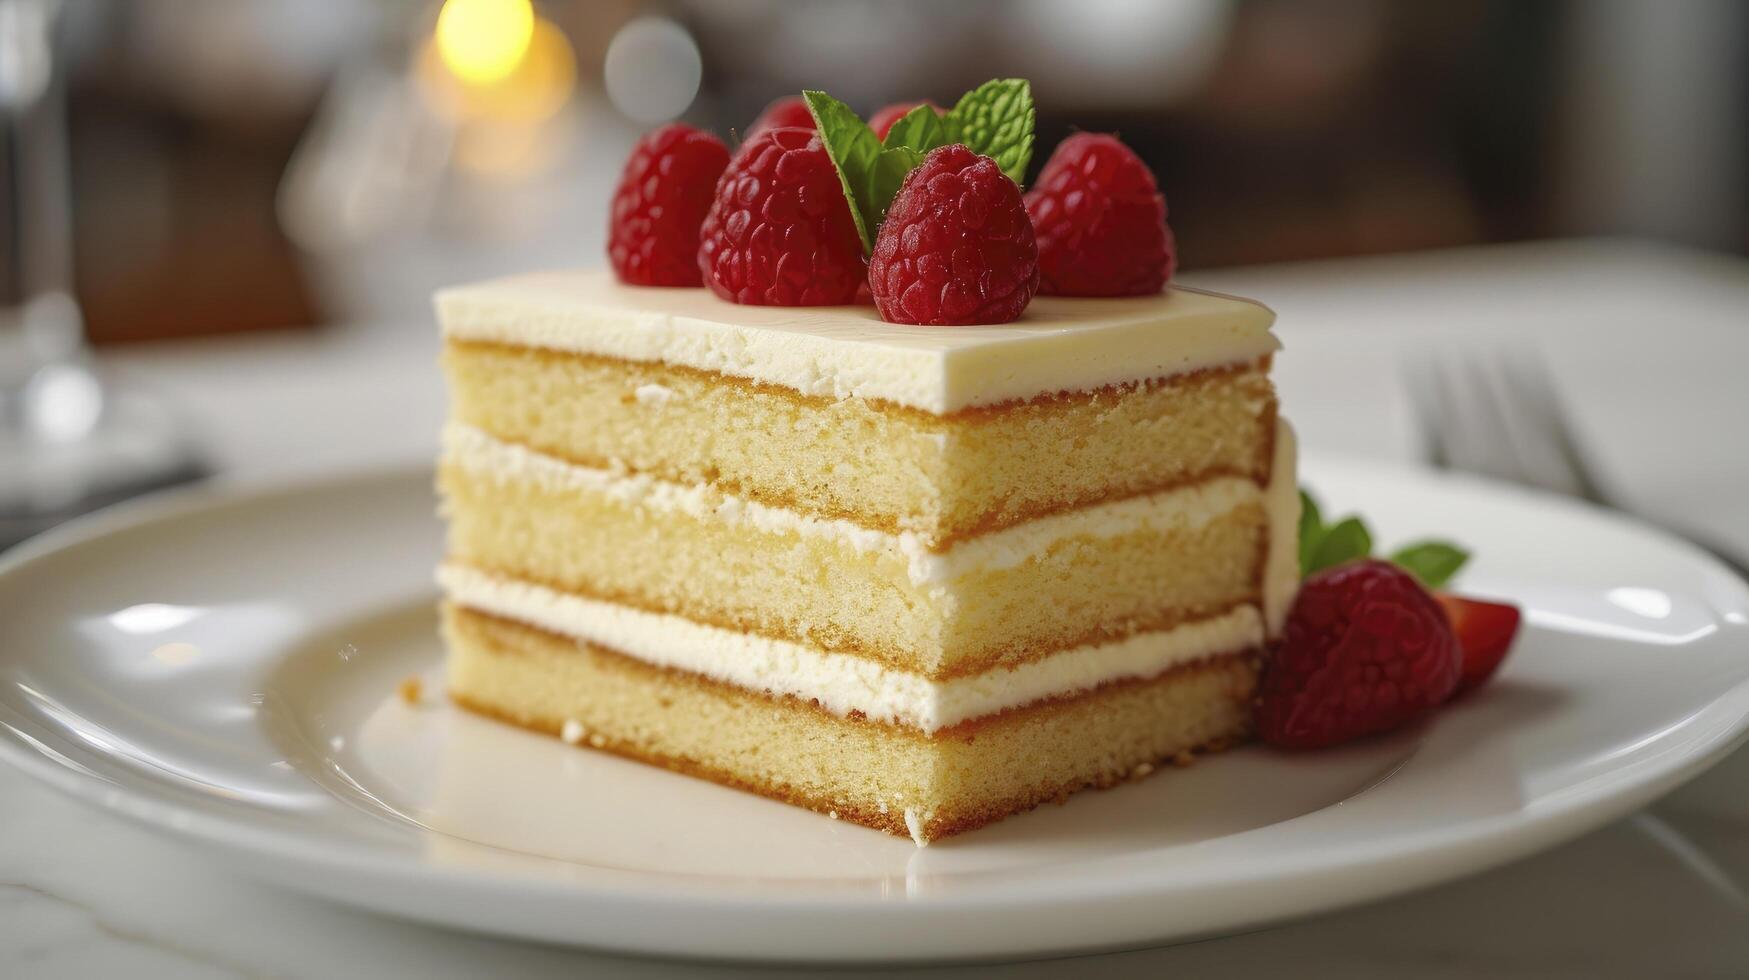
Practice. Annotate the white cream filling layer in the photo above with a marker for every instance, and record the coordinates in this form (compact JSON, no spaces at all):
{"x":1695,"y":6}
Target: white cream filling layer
{"x":1185,"y":508}
{"x":842,"y":683}
{"x":1281,"y":501}
{"x":1060,"y":344}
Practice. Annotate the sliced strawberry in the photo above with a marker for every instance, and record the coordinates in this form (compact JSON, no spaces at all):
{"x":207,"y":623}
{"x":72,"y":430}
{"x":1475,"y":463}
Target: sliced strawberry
{"x":1484,"y":631}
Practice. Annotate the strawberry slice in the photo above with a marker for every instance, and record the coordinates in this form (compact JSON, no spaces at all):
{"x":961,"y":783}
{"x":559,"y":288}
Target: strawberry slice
{"x":1484,"y":631}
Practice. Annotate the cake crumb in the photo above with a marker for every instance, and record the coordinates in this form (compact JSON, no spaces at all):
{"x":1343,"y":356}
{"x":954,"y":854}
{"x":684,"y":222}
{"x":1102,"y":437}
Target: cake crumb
{"x":833,"y":814}
{"x":572,"y":731}
{"x":914,"y":823}
{"x":1184,"y":758}
{"x":411,"y":689}
{"x":1142,"y":770}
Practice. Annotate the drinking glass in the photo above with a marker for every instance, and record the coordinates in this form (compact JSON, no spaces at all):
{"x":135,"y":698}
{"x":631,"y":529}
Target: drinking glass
{"x":69,"y":441}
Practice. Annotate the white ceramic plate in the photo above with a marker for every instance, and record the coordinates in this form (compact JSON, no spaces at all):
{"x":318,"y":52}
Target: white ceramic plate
{"x":222,"y":665}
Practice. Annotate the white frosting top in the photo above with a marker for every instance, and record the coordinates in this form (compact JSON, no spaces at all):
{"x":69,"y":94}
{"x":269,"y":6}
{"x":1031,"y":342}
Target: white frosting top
{"x":842,"y":682}
{"x":1060,"y":344}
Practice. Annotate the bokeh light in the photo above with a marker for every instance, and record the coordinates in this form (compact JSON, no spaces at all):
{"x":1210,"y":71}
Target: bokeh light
{"x":652,"y":70}
{"x":482,"y":41}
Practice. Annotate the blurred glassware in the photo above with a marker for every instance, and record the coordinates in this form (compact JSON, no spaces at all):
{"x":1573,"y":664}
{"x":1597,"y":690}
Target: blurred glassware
{"x":69,"y":442}
{"x":473,"y":141}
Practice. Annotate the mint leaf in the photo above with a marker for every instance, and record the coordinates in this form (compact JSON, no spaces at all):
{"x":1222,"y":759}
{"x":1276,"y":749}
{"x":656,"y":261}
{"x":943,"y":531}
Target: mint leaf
{"x":1311,"y":530}
{"x":855,"y":152}
{"x":1345,"y":541}
{"x":1433,"y":562}
{"x":996,"y":120}
{"x":921,"y":129}
{"x":884,"y":180}
{"x":1322,"y":546}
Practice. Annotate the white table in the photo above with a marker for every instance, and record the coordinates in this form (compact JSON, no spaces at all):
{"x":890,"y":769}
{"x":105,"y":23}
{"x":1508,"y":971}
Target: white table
{"x":1648,"y":344}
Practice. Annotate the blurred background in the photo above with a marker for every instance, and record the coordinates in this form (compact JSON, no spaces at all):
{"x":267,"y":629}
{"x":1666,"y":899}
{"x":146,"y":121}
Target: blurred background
{"x":252,"y":164}
{"x":191,"y":168}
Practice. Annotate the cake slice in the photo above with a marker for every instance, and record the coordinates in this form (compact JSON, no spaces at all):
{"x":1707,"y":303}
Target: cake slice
{"x":918,"y":578}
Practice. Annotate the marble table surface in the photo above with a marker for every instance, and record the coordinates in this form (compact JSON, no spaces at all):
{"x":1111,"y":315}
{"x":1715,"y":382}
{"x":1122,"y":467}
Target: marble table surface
{"x":1646,"y":343}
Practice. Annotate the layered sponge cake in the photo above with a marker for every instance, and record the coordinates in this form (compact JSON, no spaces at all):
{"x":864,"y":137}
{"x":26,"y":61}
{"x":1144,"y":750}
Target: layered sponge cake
{"x":918,"y":578}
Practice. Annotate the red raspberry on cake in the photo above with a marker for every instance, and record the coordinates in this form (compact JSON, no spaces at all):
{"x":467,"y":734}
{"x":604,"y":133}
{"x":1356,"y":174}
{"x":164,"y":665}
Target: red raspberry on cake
{"x":789,"y":111}
{"x":1366,"y":650}
{"x":666,"y":188}
{"x":884,"y":118}
{"x":780,"y":232}
{"x":956,"y":245}
{"x":1100,"y":221}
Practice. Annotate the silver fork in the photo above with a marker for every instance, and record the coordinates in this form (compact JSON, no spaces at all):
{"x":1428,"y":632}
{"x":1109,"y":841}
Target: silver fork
{"x":1497,"y":413}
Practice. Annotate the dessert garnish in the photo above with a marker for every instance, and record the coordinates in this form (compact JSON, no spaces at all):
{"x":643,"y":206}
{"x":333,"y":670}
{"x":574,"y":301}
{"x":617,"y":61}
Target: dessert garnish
{"x":1100,"y":221}
{"x":790,"y":110}
{"x":960,"y":247}
{"x":1484,"y":630}
{"x":956,"y":245}
{"x":780,"y":232}
{"x":1365,"y":650}
{"x":1367,"y":647}
{"x":664,"y":192}
{"x":923,"y":209}
{"x":994,"y":120}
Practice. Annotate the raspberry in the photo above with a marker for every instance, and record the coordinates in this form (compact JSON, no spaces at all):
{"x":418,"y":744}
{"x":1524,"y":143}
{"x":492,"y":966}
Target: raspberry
{"x":780,"y":231}
{"x":1366,"y":650}
{"x":1101,"y":222}
{"x":790,"y":110}
{"x":956,"y":245}
{"x":883,"y":119}
{"x":667,"y":186}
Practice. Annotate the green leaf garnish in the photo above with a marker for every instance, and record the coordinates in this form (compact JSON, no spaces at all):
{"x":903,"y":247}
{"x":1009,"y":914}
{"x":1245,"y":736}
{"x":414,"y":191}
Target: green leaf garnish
{"x":921,"y":129}
{"x":996,"y":120}
{"x":885,"y":179}
{"x":1344,"y":541}
{"x":1311,"y":531}
{"x":1433,"y":562}
{"x":854,"y":152}
{"x":1324,"y":546}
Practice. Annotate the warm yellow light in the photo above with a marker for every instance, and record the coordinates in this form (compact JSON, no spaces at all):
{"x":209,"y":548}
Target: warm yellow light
{"x":534,"y":90}
{"x":482,"y":41}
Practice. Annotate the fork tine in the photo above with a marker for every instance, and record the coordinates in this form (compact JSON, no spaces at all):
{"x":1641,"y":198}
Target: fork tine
{"x":1523,"y":422}
{"x":1429,"y":412}
{"x":1494,"y":447}
{"x":1530,"y":377}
